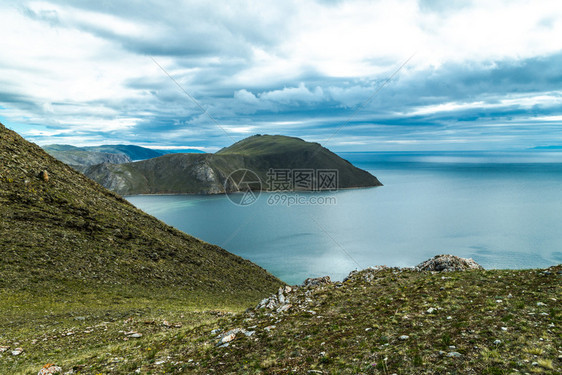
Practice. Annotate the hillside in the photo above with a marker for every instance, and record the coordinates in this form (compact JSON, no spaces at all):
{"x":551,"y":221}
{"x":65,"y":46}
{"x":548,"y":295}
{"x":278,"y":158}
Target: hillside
{"x":207,"y":173}
{"x":377,"y":321}
{"x":64,"y":228}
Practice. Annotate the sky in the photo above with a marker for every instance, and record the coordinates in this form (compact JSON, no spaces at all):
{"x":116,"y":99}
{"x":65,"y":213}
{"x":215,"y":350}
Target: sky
{"x":352,"y":75}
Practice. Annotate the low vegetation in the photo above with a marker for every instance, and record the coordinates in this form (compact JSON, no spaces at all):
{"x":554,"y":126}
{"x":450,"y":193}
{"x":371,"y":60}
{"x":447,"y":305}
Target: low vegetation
{"x":379,"y":321}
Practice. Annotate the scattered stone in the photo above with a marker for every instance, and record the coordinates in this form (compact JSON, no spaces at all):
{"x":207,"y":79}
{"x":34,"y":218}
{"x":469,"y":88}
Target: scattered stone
{"x":44,"y":175}
{"x":284,"y":308}
{"x":4,"y":348}
{"x":404,"y":337}
{"x":504,"y":329}
{"x":17,"y":351}
{"x":497,"y":342}
{"x":277,"y":301}
{"x":215,"y":331}
{"x":541,"y":304}
{"x":454,"y":354}
{"x":448,"y":263}
{"x":431,"y":310}
{"x":133,"y":335}
{"x":452,"y":347}
{"x":534,"y":364}
{"x":229,"y":336}
{"x":281,"y":296}
{"x":269,"y":328}
{"x":316,"y":281}
{"x":50,"y":368}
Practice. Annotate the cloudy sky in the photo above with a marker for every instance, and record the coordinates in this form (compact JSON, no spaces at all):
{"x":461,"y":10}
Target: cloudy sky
{"x":353,"y":75}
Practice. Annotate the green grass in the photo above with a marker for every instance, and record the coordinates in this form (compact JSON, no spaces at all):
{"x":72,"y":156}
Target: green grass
{"x":74,"y":327}
{"x":349,"y":328}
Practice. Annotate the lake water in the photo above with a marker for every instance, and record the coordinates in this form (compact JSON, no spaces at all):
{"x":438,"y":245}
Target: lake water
{"x":504,"y":210}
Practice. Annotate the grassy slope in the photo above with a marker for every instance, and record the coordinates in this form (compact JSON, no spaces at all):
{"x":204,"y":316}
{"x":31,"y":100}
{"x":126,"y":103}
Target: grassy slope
{"x":345,"y":328}
{"x":70,"y":246}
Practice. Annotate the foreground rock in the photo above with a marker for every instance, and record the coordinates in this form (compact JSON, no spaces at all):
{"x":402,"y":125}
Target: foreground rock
{"x":49,"y":369}
{"x":448,"y":263}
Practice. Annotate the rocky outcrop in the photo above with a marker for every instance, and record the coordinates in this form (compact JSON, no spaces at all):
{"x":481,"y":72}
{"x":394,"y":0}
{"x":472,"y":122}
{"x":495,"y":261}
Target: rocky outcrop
{"x":448,"y":263}
{"x":279,"y":301}
{"x":291,"y":297}
{"x":317,"y":281}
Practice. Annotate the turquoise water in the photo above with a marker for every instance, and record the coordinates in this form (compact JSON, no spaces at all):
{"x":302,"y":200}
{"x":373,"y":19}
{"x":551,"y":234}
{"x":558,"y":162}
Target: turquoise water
{"x":502,"y":209}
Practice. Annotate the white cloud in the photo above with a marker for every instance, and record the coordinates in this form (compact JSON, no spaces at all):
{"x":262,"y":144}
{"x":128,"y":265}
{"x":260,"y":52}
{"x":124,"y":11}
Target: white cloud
{"x":83,"y":67}
{"x":246,"y":96}
{"x":294,"y":95}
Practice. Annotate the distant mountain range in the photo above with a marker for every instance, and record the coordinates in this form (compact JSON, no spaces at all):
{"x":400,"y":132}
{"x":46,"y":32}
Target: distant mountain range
{"x":208,"y":173}
{"x":115,"y":154}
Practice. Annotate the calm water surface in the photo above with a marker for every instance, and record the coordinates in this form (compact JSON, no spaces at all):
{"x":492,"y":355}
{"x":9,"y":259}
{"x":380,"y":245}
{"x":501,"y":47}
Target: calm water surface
{"x":502,"y":209}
